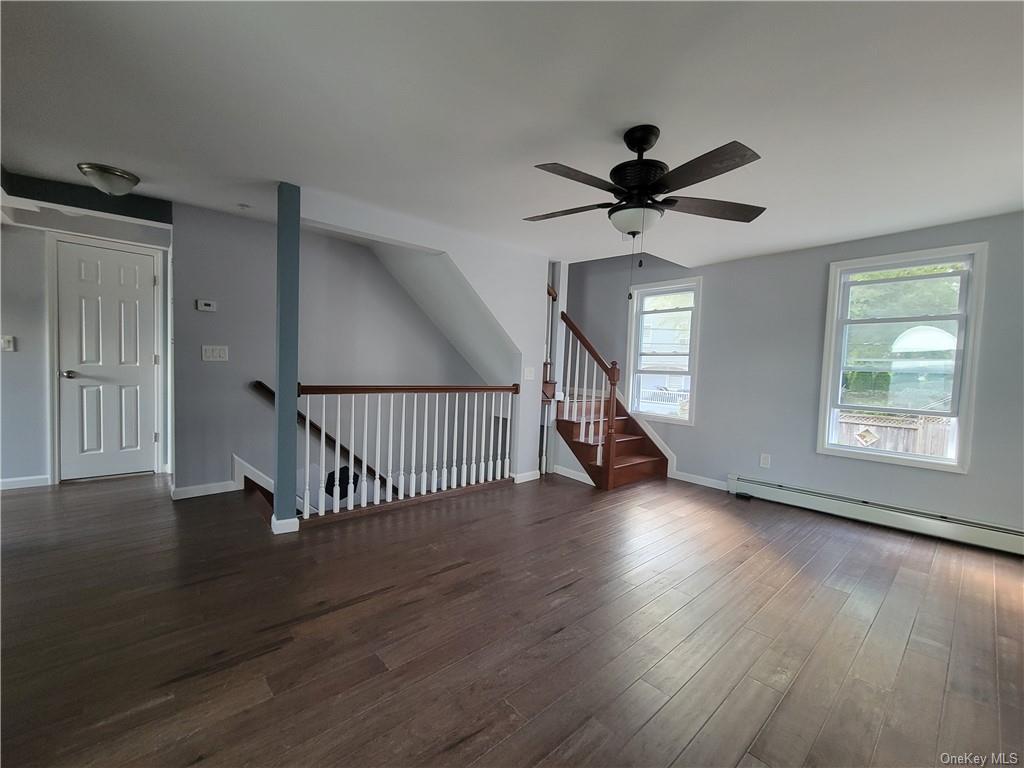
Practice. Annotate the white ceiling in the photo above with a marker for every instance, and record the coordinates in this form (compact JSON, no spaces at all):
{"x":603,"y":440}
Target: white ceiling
{"x":870,"y":117}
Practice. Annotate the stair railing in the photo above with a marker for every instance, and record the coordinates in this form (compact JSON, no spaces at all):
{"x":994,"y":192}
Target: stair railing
{"x":423,"y":421}
{"x":592,"y":401}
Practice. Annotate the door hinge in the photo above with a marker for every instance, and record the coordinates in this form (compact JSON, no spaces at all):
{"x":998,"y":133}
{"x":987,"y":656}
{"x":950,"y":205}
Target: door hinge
{"x":156,"y":359}
{"x":156,"y":280}
{"x":156,"y":437}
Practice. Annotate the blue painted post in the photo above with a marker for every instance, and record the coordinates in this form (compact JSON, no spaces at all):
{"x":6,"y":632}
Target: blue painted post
{"x":287,"y":348}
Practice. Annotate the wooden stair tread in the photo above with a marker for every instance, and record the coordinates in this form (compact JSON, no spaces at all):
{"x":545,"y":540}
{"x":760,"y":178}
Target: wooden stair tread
{"x":635,"y":458}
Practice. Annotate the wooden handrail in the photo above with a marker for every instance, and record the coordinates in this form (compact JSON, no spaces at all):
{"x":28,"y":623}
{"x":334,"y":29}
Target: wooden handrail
{"x":610,"y":369}
{"x":552,"y":293}
{"x":267,"y":392}
{"x":322,"y":389}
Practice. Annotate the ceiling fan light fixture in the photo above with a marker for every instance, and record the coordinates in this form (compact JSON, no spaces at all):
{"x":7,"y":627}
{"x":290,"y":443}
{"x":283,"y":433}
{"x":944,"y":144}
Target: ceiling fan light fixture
{"x":634,"y":219}
{"x":108,"y":179}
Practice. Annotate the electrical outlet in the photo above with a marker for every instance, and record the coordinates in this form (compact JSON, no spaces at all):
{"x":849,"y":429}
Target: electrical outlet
{"x":206,"y":305}
{"x":766,"y":461}
{"x":214,"y":354}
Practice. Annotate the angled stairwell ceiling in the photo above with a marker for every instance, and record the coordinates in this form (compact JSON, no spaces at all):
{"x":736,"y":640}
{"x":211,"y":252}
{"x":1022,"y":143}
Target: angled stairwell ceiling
{"x":447,"y":298}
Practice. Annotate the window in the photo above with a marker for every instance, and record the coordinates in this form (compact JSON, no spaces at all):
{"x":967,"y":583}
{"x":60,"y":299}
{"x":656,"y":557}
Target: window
{"x":899,"y":353}
{"x":663,"y":350}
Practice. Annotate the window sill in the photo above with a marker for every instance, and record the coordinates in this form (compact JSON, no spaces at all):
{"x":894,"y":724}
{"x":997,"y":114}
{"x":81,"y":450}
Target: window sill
{"x":888,"y":458}
{"x":661,"y":418}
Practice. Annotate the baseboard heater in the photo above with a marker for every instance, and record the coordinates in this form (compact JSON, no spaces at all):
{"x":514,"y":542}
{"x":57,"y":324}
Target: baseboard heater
{"x":917,"y":521}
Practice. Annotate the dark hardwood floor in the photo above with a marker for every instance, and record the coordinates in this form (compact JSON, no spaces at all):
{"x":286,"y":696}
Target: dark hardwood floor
{"x":542,"y":624}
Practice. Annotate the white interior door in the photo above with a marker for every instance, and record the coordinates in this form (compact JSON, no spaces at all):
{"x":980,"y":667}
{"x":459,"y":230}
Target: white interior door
{"x":105,"y":351}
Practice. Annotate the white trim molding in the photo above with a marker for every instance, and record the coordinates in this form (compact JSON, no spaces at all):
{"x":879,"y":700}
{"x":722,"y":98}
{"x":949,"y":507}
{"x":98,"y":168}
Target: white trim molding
{"x":636,"y":292}
{"x":206,"y":489}
{"x":28,"y":481}
{"x":572,"y":474}
{"x":903,"y":518}
{"x":525,"y":477}
{"x":962,"y":402}
{"x":240,"y":469}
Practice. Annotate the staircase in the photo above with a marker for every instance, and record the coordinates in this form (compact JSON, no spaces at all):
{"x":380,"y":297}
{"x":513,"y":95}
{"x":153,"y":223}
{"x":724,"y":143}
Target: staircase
{"x":613,"y":447}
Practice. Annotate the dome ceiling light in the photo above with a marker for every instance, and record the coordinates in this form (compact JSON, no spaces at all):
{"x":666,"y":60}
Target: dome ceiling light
{"x":108,"y":179}
{"x":637,"y":185}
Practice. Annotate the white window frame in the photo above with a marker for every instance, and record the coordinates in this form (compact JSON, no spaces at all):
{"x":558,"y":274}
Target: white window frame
{"x":638,"y":292}
{"x":969,"y":314}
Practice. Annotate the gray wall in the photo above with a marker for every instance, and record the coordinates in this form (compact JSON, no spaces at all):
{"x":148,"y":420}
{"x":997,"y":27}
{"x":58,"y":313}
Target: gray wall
{"x":762,"y":334}
{"x":23,"y":447}
{"x":357,"y":326}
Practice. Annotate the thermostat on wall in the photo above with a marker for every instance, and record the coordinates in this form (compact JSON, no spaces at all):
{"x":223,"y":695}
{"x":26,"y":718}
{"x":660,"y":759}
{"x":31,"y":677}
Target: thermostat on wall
{"x":206,"y":305}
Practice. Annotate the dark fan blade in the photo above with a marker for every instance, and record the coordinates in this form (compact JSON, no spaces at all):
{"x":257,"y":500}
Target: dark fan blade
{"x":726,"y":158}
{"x":583,"y":178}
{"x":716,"y":209}
{"x":569,"y":211}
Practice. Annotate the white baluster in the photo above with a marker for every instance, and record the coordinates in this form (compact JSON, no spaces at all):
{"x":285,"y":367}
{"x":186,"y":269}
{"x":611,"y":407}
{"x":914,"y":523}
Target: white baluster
{"x":483,"y":439}
{"x":412,"y":450}
{"x":501,"y":426}
{"x":423,"y":474}
{"x":391,"y":432}
{"x":600,"y":424}
{"x":472,"y":455}
{"x":545,"y":415}
{"x":593,"y":396}
{"x":433,"y":468}
{"x":322,"y":491}
{"x":401,"y":454}
{"x":508,"y":438}
{"x":584,"y":415}
{"x":366,"y":423}
{"x":465,"y":440}
{"x":376,"y":458}
{"x":576,"y":384}
{"x":305,"y":489}
{"x":352,"y":456}
{"x":490,"y":441}
{"x":455,"y":443}
{"x":444,"y":448}
{"x":337,"y":456}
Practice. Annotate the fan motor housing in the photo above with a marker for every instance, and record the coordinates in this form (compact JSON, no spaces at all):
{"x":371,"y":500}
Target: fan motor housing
{"x":638,"y":174}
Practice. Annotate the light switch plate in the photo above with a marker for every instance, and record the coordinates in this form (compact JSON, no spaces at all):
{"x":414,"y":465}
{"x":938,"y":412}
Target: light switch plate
{"x":6,"y":343}
{"x":529,"y":373}
{"x":214,"y":353}
{"x":206,"y":305}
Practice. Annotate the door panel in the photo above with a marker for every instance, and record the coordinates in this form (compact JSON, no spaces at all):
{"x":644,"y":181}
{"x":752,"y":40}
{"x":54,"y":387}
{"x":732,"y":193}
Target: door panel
{"x":105,"y":337}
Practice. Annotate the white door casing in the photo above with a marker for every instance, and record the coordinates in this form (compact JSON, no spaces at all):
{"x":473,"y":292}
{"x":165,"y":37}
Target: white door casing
{"x":105,"y":358}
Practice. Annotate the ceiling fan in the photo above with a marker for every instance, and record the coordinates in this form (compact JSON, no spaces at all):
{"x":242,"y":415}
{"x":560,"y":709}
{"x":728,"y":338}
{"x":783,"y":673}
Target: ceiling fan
{"x":636,"y":185}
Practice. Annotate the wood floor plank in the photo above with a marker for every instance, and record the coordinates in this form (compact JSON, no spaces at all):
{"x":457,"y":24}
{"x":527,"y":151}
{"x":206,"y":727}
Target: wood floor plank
{"x":724,"y":738}
{"x":543,"y":622}
{"x":911,"y":726}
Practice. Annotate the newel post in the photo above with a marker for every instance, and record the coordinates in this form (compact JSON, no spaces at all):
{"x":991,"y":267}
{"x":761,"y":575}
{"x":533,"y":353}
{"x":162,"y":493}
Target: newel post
{"x":609,"y":445}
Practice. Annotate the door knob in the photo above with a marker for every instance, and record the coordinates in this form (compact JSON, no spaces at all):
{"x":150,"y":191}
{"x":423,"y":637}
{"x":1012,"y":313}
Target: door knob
{"x":69,"y":374}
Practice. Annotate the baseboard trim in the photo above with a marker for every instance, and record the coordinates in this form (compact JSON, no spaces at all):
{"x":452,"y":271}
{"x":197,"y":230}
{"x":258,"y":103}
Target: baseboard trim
{"x":284,"y":526}
{"x":572,"y":474}
{"x":525,"y":477}
{"x":710,"y":482}
{"x":241,"y":469}
{"x":206,"y":489}
{"x":27,"y":481}
{"x":916,"y":521}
